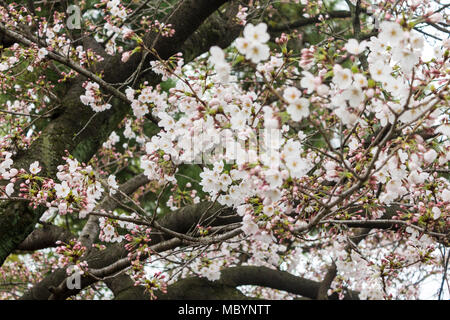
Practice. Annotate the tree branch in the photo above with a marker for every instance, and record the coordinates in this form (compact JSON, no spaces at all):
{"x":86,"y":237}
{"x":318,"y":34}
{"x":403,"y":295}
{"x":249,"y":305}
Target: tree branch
{"x":45,"y":237}
{"x":326,"y":282}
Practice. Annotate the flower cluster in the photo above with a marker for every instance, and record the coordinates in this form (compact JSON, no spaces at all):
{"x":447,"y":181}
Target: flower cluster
{"x":298,"y":147}
{"x":252,"y":45}
{"x":93,"y":97}
{"x":220,"y":64}
{"x":70,"y":253}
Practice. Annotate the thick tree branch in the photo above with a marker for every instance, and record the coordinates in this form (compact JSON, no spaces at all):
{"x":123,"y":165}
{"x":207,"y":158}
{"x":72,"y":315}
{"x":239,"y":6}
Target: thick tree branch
{"x":123,"y":288}
{"x":322,"y":293}
{"x":225,"y":287}
{"x":219,"y":29}
{"x":45,"y":237}
{"x":201,"y":289}
{"x":275,"y":279}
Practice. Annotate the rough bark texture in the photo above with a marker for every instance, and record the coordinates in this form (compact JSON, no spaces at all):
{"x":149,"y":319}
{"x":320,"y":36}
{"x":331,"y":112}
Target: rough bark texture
{"x":201,"y":289}
{"x":322,"y":293}
{"x":45,"y":237}
{"x":123,"y":288}
{"x":17,"y":221}
{"x":219,"y":29}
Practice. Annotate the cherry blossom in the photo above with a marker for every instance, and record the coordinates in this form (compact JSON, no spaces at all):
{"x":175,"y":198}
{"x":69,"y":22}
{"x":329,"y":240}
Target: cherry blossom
{"x":178,"y":160}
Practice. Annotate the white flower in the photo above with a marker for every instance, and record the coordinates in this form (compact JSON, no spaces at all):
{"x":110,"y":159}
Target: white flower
{"x":241,"y":210}
{"x":84,"y":212}
{"x":102,"y":107}
{"x":112,"y":4}
{"x":218,"y":166}
{"x":129,"y":93}
{"x":395,"y":188}
{"x":243,"y":45}
{"x":446,"y":195}
{"x":416,"y":40}
{"x":212,"y":272}
{"x":112,"y":183}
{"x":6,"y":164}
{"x":436,"y":17}
{"x":391,"y":32}
{"x":301,"y":135}
{"x":139,"y":110}
{"x":109,"y":234}
{"x":353,"y":144}
{"x":291,"y":94}
{"x":34,"y":168}
{"x":42,"y":53}
{"x":112,"y":140}
{"x":252,"y":45}
{"x":354,"y":95}
{"x":342,"y":77}
{"x":256,"y":33}
{"x":347,"y":118}
{"x":128,"y":132}
{"x":296,"y":166}
{"x":411,"y":114}
{"x":238,"y":121}
{"x":62,"y":208}
{"x":49,"y":214}
{"x":9,"y":189}
{"x":402,"y":155}
{"x":87,"y":100}
{"x":62,"y":190}
{"x":224,"y":181}
{"x":322,"y":90}
{"x":406,"y":57}
{"x":269,"y":210}
{"x":444,"y":129}
{"x":397,"y":87}
{"x":417,"y":178}
{"x":308,"y":82}
{"x":360,"y":80}
{"x":4,"y":66}
{"x":430,"y":156}
{"x":380,"y":71}
{"x":73,"y":165}
{"x":223,"y":72}
{"x":354,"y":47}
{"x":217,"y":55}
{"x":166,"y":122}
{"x":220,"y":65}
{"x":292,"y":149}
{"x":436,"y":213}
{"x":273,"y":177}
{"x":299,"y":109}
{"x":248,"y":226}
{"x":258,"y":52}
